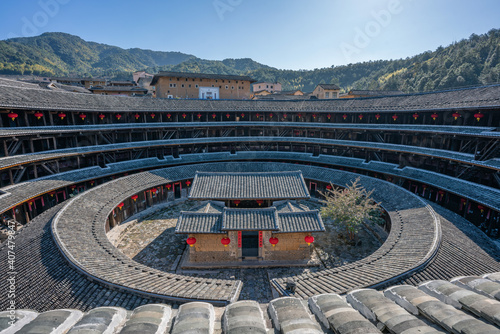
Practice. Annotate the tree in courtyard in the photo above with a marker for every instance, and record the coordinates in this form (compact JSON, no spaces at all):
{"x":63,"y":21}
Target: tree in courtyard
{"x":350,"y":206}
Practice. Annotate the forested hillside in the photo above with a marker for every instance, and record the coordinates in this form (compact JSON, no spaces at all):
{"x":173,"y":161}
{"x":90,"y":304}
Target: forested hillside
{"x":472,"y":61}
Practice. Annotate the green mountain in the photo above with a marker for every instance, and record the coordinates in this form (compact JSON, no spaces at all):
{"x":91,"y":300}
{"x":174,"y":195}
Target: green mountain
{"x":471,"y":61}
{"x":63,"y":54}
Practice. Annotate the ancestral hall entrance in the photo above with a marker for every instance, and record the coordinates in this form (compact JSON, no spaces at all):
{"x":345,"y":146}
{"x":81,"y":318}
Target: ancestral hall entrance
{"x":249,"y":244}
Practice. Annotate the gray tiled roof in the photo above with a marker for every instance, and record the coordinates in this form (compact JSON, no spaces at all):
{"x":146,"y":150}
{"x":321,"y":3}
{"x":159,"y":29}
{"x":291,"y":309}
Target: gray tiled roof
{"x":329,"y":86}
{"x":304,"y":221}
{"x":245,"y":186}
{"x":199,"y":222}
{"x":200,"y":75}
{"x":265,"y":219}
{"x":26,"y":97}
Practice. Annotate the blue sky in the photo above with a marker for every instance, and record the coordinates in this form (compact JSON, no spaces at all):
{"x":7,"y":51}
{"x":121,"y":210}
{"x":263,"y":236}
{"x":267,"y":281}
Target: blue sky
{"x":287,"y":34}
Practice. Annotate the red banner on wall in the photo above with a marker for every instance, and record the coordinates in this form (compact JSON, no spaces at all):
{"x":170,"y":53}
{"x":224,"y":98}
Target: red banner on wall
{"x":260,"y":239}
{"x":239,"y":239}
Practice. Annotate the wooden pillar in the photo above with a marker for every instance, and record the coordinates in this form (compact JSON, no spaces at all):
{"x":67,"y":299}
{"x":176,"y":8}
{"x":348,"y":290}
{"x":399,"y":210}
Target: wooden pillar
{"x":5,"y":148}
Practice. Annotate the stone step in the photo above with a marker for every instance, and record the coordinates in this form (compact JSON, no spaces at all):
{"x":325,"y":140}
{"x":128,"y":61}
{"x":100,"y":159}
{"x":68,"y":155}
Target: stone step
{"x":417,"y":302}
{"x":100,"y":320}
{"x":339,"y":316}
{"x":194,"y":317}
{"x":149,"y":319}
{"x":479,"y":285}
{"x":244,"y":317}
{"x":290,"y":316}
{"x":479,"y":305}
{"x":51,"y":322}
{"x":374,"y":306}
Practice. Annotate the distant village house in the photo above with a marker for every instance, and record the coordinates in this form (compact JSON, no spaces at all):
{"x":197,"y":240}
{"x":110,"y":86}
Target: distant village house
{"x":178,"y":85}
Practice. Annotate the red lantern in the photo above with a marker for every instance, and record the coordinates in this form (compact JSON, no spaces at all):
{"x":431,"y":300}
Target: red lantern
{"x":82,"y":116}
{"x":191,"y":241}
{"x":284,"y":116}
{"x":395,"y":118}
{"x":13,"y":115}
{"x":214,"y":115}
{"x":154,"y":190}
{"x":118,"y":116}
{"x":237,"y":202}
{"x":135,"y":197}
{"x":344,"y":116}
{"x":72,"y":187}
{"x":477,"y":116}
{"x":270,"y":115}
{"x":61,"y":115}
{"x":299,"y":115}
{"x":434,"y":116}
{"x":169,"y":186}
{"x":314,"y":116}
{"x":184,"y":115}
{"x":153,"y":115}
{"x":328,"y":187}
{"x":360,"y":117}
{"x":328,"y":116}
{"x":188,"y":183}
{"x":480,"y":207}
{"x":228,"y":115}
{"x":456,"y":115}
{"x":242,"y":115}
{"x":309,"y":239}
{"x":377,"y":117}
{"x":415,"y":116}
{"x":273,"y":241}
{"x":199,"y":115}
{"x":169,"y":115}
{"x":137,"y":116}
{"x":52,"y":193}
{"x":225,"y":241}
{"x":257,"y":114}
{"x":101,"y":116}
{"x":120,"y":205}
{"x":441,"y":194}
{"x":38,"y":115}
{"x":259,"y":201}
{"x":92,"y":182}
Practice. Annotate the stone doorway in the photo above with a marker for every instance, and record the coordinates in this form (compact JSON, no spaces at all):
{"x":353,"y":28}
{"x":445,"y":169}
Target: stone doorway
{"x":250,"y":244}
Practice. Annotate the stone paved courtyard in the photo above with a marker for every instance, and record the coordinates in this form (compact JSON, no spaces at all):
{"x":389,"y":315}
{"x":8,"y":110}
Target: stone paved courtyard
{"x":152,"y":242}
